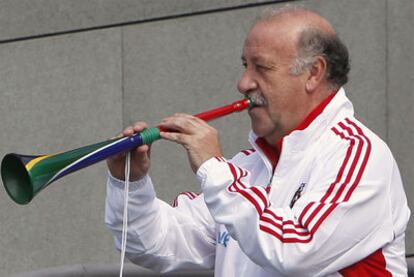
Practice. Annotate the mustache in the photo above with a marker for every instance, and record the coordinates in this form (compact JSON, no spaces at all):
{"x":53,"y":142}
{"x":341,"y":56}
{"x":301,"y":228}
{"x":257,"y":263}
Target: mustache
{"x":258,"y":98}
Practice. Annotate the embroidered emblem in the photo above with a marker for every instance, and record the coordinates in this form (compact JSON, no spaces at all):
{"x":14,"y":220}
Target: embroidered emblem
{"x":297,"y":195}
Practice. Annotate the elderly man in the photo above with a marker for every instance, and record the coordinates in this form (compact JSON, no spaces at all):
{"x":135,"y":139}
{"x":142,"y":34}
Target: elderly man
{"x":319,"y":194}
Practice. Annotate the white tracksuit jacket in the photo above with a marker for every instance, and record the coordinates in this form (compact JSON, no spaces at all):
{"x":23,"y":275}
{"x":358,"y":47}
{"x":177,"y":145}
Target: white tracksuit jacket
{"x":334,"y":205}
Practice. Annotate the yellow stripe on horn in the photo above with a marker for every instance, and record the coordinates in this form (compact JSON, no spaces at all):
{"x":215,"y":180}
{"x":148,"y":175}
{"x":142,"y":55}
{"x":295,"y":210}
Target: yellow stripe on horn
{"x":33,"y":162}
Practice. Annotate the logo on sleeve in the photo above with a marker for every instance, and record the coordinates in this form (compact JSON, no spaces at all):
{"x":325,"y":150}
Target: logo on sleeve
{"x":223,"y":238}
{"x":297,"y":195}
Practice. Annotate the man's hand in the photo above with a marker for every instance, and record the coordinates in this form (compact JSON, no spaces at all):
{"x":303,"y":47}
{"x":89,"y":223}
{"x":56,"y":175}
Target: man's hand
{"x":140,"y":157}
{"x":199,"y":139}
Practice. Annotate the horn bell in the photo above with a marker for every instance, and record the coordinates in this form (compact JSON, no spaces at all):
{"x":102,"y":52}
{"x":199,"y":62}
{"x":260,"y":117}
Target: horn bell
{"x":16,"y":178}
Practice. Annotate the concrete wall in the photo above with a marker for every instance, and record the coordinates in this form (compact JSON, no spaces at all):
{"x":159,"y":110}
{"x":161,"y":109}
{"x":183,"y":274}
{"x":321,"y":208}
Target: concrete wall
{"x":75,"y":72}
{"x":400,"y":98}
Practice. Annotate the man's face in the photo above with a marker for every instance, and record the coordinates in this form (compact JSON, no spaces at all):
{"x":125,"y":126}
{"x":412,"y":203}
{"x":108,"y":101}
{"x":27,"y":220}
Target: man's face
{"x":268,"y":53}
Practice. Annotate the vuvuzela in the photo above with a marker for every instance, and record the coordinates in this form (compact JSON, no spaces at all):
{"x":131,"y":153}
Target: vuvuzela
{"x":25,"y":176}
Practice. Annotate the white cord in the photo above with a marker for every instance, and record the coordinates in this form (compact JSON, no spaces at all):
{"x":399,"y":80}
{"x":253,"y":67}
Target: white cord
{"x":125,"y":217}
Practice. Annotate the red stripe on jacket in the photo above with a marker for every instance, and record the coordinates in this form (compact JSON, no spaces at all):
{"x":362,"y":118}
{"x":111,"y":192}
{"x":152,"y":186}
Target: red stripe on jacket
{"x":374,"y":265}
{"x":342,"y":180}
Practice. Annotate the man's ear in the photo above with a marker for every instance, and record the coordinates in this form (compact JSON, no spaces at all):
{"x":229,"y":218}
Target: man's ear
{"x":317,"y":73}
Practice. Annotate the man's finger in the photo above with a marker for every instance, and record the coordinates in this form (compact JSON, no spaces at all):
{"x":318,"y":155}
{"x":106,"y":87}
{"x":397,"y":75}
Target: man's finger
{"x":129,"y":131}
{"x":143,"y":148}
{"x":175,"y":137}
{"x":183,"y":124}
{"x":139,"y":126}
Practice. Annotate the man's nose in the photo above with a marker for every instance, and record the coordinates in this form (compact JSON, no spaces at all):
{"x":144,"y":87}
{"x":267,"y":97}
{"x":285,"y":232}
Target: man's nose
{"x":246,"y":83}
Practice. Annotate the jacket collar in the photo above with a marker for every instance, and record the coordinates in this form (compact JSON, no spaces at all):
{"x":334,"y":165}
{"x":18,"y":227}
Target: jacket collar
{"x":312,"y":127}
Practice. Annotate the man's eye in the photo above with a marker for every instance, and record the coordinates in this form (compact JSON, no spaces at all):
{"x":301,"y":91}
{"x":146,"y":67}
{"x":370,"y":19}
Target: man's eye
{"x":261,"y":67}
{"x":244,"y":65}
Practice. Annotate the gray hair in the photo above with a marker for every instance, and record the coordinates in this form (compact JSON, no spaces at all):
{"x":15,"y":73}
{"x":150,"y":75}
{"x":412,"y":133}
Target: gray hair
{"x":314,"y":42}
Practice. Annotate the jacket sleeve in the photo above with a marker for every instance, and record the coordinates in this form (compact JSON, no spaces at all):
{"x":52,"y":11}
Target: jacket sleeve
{"x":161,"y":237}
{"x":344,"y":216}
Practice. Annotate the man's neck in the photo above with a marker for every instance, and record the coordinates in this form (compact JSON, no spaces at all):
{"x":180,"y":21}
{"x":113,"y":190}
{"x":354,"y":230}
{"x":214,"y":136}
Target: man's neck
{"x":276,"y":137}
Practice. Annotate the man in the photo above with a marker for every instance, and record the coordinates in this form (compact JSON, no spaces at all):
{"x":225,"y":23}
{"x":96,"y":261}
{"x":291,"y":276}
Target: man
{"x":318,"y":195}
